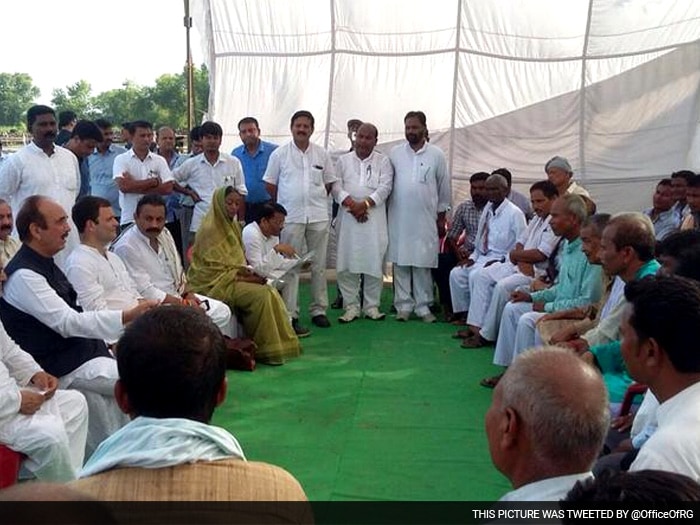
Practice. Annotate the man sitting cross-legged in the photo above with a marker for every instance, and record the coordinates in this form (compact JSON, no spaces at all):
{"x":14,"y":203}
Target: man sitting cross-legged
{"x":500,"y":224}
{"x":148,"y":250}
{"x":172,"y":376}
{"x":39,"y":311}
{"x":579,"y":283}
{"x":527,"y":260}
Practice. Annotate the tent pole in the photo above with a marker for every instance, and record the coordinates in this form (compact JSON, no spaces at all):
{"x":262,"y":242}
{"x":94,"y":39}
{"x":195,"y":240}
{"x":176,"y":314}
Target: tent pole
{"x":189,"y":72}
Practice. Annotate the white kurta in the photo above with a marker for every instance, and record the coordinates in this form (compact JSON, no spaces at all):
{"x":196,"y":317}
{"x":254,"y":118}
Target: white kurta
{"x":206,"y":178}
{"x":421,"y":190}
{"x":30,"y":171}
{"x":101,"y":281}
{"x":362,"y":246}
{"x":53,"y":438}
{"x":150,"y":167}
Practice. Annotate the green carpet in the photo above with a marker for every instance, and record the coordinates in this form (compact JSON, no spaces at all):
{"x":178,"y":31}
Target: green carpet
{"x":372,"y":410}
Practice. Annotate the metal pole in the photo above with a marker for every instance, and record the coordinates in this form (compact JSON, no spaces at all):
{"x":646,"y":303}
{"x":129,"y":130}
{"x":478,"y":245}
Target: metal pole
{"x":190,"y":76}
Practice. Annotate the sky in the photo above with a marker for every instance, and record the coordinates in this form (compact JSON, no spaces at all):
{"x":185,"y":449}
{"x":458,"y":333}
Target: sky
{"x":105,"y":43}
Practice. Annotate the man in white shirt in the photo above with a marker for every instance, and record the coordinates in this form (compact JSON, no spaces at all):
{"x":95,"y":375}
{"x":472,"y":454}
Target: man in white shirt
{"x":48,"y":425}
{"x":98,"y":275}
{"x":660,"y":331}
{"x":299,"y":176}
{"x":138,"y":171}
{"x":500,"y":226}
{"x":365,"y":178}
{"x":416,"y":217}
{"x":149,"y":253}
{"x":42,"y":168}
{"x":8,"y":244}
{"x":39,"y":311}
{"x":272,"y":259}
{"x":207,"y":172}
{"x":546,"y":428}
{"x":526,"y":261}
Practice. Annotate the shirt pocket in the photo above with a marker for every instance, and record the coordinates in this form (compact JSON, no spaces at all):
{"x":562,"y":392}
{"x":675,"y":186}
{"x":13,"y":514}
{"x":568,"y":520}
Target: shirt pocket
{"x":317,"y":175}
{"x":423,"y":174}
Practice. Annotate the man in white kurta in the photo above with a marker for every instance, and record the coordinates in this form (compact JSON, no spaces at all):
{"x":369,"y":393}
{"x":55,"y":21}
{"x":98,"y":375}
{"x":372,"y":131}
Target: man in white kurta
{"x":272,"y":259}
{"x":8,"y":244}
{"x":525,"y":262}
{"x":416,"y":217}
{"x":138,"y":171}
{"x":207,"y":172}
{"x":364,"y":183}
{"x":299,"y":176}
{"x":42,"y":168}
{"x":49,"y":426}
{"x":149,"y":253}
{"x":500,"y":226}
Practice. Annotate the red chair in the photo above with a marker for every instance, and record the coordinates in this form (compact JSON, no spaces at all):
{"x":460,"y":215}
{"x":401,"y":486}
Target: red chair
{"x":10,"y":462}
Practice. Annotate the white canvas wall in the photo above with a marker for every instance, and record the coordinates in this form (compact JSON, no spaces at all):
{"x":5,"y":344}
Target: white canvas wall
{"x":611,"y":84}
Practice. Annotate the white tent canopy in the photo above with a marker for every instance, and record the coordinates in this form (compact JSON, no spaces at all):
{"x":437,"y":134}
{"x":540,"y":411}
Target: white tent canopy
{"x":613,"y":85}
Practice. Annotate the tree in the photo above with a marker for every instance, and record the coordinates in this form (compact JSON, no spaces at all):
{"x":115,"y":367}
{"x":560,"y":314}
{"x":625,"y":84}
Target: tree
{"x":17,"y":93}
{"x":77,"y":97}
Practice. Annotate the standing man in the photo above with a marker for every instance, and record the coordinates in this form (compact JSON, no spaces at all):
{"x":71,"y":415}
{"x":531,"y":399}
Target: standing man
{"x":82,"y":143}
{"x":101,"y":165}
{"x":364,"y":183}
{"x":138,"y":171}
{"x":165,"y":141}
{"x":300,"y":176}
{"x":254,"y":155}
{"x":417,"y":207}
{"x":42,"y":168}
{"x":8,"y":244}
{"x":66,"y":123}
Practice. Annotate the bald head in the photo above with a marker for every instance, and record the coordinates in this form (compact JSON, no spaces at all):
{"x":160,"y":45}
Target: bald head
{"x":565,"y":416}
{"x":365,"y":140}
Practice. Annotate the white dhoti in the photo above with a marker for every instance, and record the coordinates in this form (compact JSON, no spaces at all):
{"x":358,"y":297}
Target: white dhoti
{"x":505,"y":344}
{"x":95,"y":379}
{"x":481,"y":283}
{"x":500,"y":295}
{"x":53,"y":438}
{"x":413,"y":289}
{"x":460,"y":285}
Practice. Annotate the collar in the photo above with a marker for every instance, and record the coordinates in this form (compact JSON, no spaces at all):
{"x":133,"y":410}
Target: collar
{"x":501,"y":207}
{"x":573,"y":245}
{"x":144,"y":238}
{"x":550,"y":489}
{"x":648,"y":268}
{"x":36,"y":149}
{"x":132,"y":153}
{"x":421,"y":150}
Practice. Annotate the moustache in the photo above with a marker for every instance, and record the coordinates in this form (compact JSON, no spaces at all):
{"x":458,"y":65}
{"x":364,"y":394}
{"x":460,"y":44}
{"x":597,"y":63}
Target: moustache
{"x":153,"y":230}
{"x":7,"y":227}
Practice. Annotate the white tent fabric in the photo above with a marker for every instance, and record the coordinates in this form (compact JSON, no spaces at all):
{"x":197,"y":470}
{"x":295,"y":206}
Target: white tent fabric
{"x":613,"y":85}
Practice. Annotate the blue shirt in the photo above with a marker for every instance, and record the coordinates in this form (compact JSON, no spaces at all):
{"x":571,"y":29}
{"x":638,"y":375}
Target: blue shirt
{"x":253,"y":170}
{"x":101,"y":182}
{"x":579,"y":282}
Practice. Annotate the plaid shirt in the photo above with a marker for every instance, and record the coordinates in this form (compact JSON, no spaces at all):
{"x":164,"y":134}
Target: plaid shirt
{"x":465,"y":218}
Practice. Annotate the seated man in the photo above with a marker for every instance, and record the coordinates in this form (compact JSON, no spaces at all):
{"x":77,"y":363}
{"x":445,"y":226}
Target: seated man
{"x":500,"y":225}
{"x":545,"y":428}
{"x":662,"y":214}
{"x":527,"y":260}
{"x":8,"y":244}
{"x":172,"y":375}
{"x":691,"y":221}
{"x":40,"y":312}
{"x":579,"y":283}
{"x":270,"y":258}
{"x":148,"y":250}
{"x":49,"y":426}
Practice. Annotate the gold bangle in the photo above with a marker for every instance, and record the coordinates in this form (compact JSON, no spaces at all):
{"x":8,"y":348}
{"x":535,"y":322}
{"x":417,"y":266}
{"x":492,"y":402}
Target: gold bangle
{"x":368,"y":204}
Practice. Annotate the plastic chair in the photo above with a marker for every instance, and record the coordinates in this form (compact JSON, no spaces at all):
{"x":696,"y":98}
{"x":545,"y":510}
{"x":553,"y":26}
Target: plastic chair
{"x":10,"y":461}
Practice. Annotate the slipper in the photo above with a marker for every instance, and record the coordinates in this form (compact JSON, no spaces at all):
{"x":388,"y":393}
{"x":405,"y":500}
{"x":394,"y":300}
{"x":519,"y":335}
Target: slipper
{"x":475,"y":342}
{"x":491,"y":382}
{"x":462,"y":334}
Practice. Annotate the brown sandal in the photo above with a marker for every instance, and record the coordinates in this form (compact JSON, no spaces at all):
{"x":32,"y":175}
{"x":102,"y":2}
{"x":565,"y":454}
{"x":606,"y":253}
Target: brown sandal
{"x":475,"y":342}
{"x":491,"y":382}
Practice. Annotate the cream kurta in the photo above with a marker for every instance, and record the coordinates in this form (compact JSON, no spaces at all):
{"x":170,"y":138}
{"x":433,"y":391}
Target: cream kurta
{"x":362,"y":246}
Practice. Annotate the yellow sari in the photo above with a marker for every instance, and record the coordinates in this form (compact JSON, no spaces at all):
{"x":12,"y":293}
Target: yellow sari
{"x":217,"y":257}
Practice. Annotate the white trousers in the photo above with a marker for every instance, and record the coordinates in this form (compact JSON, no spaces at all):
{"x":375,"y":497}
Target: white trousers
{"x":500,"y":295}
{"x":221,"y":316}
{"x":461,"y":287}
{"x":349,"y":284}
{"x":313,"y":236}
{"x":95,"y":379}
{"x":53,"y":438}
{"x":413,"y":289}
{"x":517,"y":332}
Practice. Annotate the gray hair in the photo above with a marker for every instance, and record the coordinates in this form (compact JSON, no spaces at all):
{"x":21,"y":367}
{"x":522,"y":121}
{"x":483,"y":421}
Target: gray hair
{"x":498,"y":179}
{"x":576,"y":206}
{"x":562,"y":402}
{"x":598,"y":222}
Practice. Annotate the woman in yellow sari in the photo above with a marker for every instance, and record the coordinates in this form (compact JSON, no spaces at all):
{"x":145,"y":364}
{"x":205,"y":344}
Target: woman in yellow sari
{"x":219,"y":270}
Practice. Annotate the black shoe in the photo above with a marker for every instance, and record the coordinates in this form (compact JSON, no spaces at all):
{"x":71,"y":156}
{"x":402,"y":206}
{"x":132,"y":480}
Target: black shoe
{"x":321,"y":321}
{"x":301,"y":331}
{"x":338,"y":303}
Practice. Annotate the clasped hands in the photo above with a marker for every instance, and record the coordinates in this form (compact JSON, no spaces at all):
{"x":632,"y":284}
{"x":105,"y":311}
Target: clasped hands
{"x":358,"y":209}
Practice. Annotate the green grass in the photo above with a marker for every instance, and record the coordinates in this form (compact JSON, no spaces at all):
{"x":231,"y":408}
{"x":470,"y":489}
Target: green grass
{"x":371,"y":411}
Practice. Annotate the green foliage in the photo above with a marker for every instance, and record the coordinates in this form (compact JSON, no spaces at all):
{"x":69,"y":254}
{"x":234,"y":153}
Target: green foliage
{"x":164,"y":103}
{"x":17,"y":92}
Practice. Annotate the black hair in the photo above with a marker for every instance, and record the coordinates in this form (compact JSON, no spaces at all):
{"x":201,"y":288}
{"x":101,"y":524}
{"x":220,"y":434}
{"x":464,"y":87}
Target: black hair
{"x":419,"y":115}
{"x":139,"y":124}
{"x":268,"y":210}
{"x":211,"y":128}
{"x":35,"y":111}
{"x":303,"y":113}
{"x":548,"y":189}
{"x":30,"y":214}
{"x":248,"y":120}
{"x":66,"y":117}
{"x":86,"y":129}
{"x":150,"y":199}
{"x":86,"y":209}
